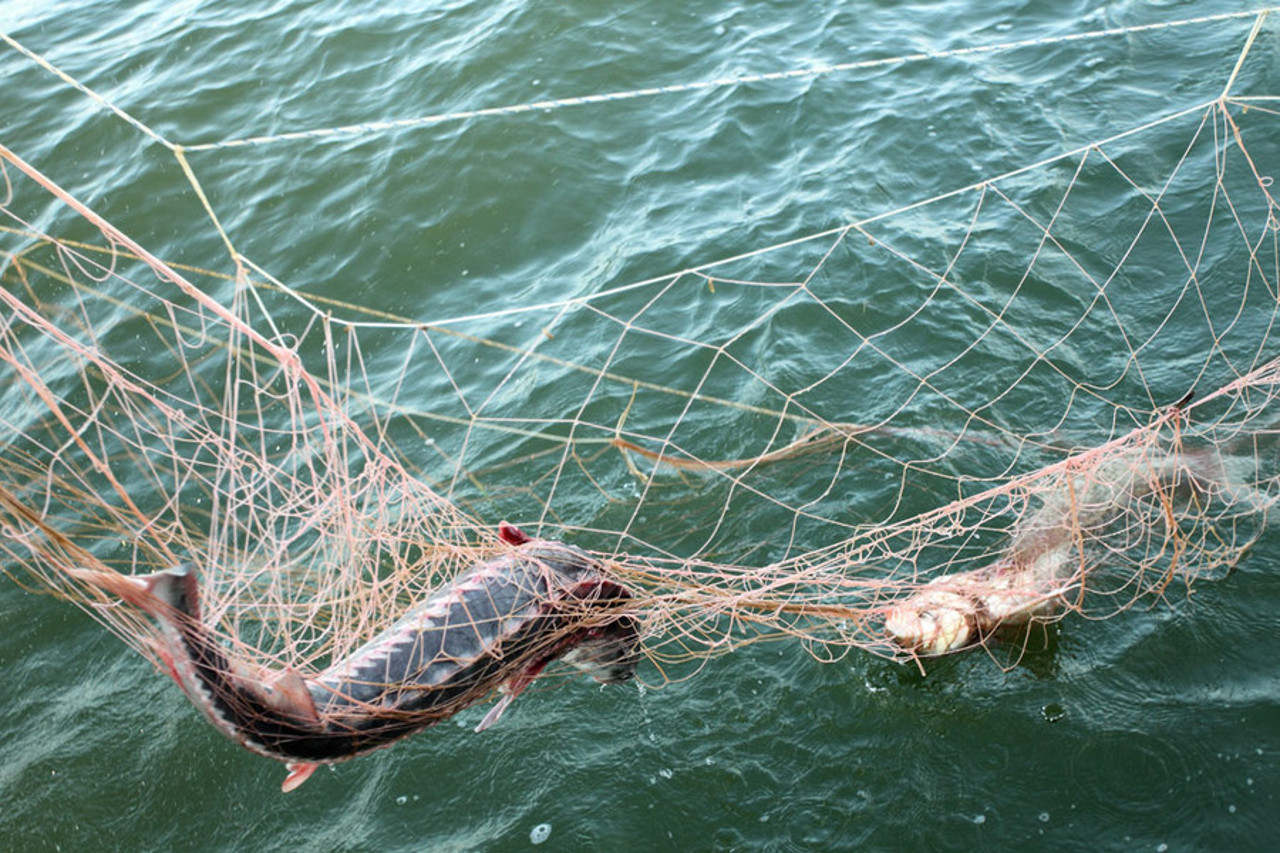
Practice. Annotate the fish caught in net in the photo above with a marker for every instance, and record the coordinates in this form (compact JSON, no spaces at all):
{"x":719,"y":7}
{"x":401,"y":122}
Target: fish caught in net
{"x":1051,"y":392}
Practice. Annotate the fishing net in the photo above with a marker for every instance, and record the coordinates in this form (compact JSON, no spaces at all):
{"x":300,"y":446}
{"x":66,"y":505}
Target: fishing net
{"x":1050,"y":392}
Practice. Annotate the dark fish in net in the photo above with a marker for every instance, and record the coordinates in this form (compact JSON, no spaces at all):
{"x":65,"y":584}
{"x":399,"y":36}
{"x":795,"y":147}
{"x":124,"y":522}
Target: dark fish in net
{"x":496,"y":626}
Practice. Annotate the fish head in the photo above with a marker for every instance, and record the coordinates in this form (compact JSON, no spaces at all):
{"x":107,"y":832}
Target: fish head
{"x":608,"y":653}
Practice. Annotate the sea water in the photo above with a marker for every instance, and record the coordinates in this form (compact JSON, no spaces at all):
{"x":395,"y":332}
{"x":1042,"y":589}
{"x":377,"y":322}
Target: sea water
{"x":1157,"y":730}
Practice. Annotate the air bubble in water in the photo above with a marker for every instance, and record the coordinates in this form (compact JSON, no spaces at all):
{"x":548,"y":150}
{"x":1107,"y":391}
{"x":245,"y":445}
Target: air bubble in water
{"x":540,"y":833}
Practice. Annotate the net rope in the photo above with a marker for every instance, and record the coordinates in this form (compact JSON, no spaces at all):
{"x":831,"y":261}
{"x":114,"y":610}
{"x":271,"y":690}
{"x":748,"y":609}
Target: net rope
{"x":552,"y":104}
{"x":997,"y":473}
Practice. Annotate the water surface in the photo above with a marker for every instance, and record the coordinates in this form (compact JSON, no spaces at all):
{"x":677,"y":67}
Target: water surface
{"x":1155,"y":730}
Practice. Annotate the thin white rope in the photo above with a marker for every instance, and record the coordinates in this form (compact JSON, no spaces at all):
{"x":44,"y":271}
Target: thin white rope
{"x":1248,"y":45}
{"x":83,"y":89}
{"x":374,"y":127}
{"x":1259,"y":15}
{"x":702,"y":271}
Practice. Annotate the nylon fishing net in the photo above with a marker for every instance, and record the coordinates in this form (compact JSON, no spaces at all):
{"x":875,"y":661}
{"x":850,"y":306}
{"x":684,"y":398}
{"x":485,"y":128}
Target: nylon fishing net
{"x":1048,"y":393}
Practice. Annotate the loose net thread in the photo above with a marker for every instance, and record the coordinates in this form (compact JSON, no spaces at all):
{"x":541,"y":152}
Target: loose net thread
{"x":849,"y":421}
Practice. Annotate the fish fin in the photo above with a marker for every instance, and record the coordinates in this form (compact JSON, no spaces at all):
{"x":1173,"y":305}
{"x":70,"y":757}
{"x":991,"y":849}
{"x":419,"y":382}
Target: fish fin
{"x":287,"y":693}
{"x":496,"y":711}
{"x":512,"y":688}
{"x":512,"y":535}
{"x":159,"y":594}
{"x":176,"y":590}
{"x":134,"y":589}
{"x":299,"y":772}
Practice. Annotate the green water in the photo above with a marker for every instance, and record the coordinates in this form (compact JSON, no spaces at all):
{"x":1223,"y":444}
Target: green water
{"x":1154,"y":730}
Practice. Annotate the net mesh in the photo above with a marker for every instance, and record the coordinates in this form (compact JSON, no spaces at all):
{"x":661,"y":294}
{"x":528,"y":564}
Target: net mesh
{"x":1049,"y":392}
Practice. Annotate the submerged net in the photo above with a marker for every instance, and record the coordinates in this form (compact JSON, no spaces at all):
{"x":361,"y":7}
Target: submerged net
{"x":1049,"y":392}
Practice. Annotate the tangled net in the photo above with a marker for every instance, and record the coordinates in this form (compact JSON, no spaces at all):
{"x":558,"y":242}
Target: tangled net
{"x":1049,"y":392}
